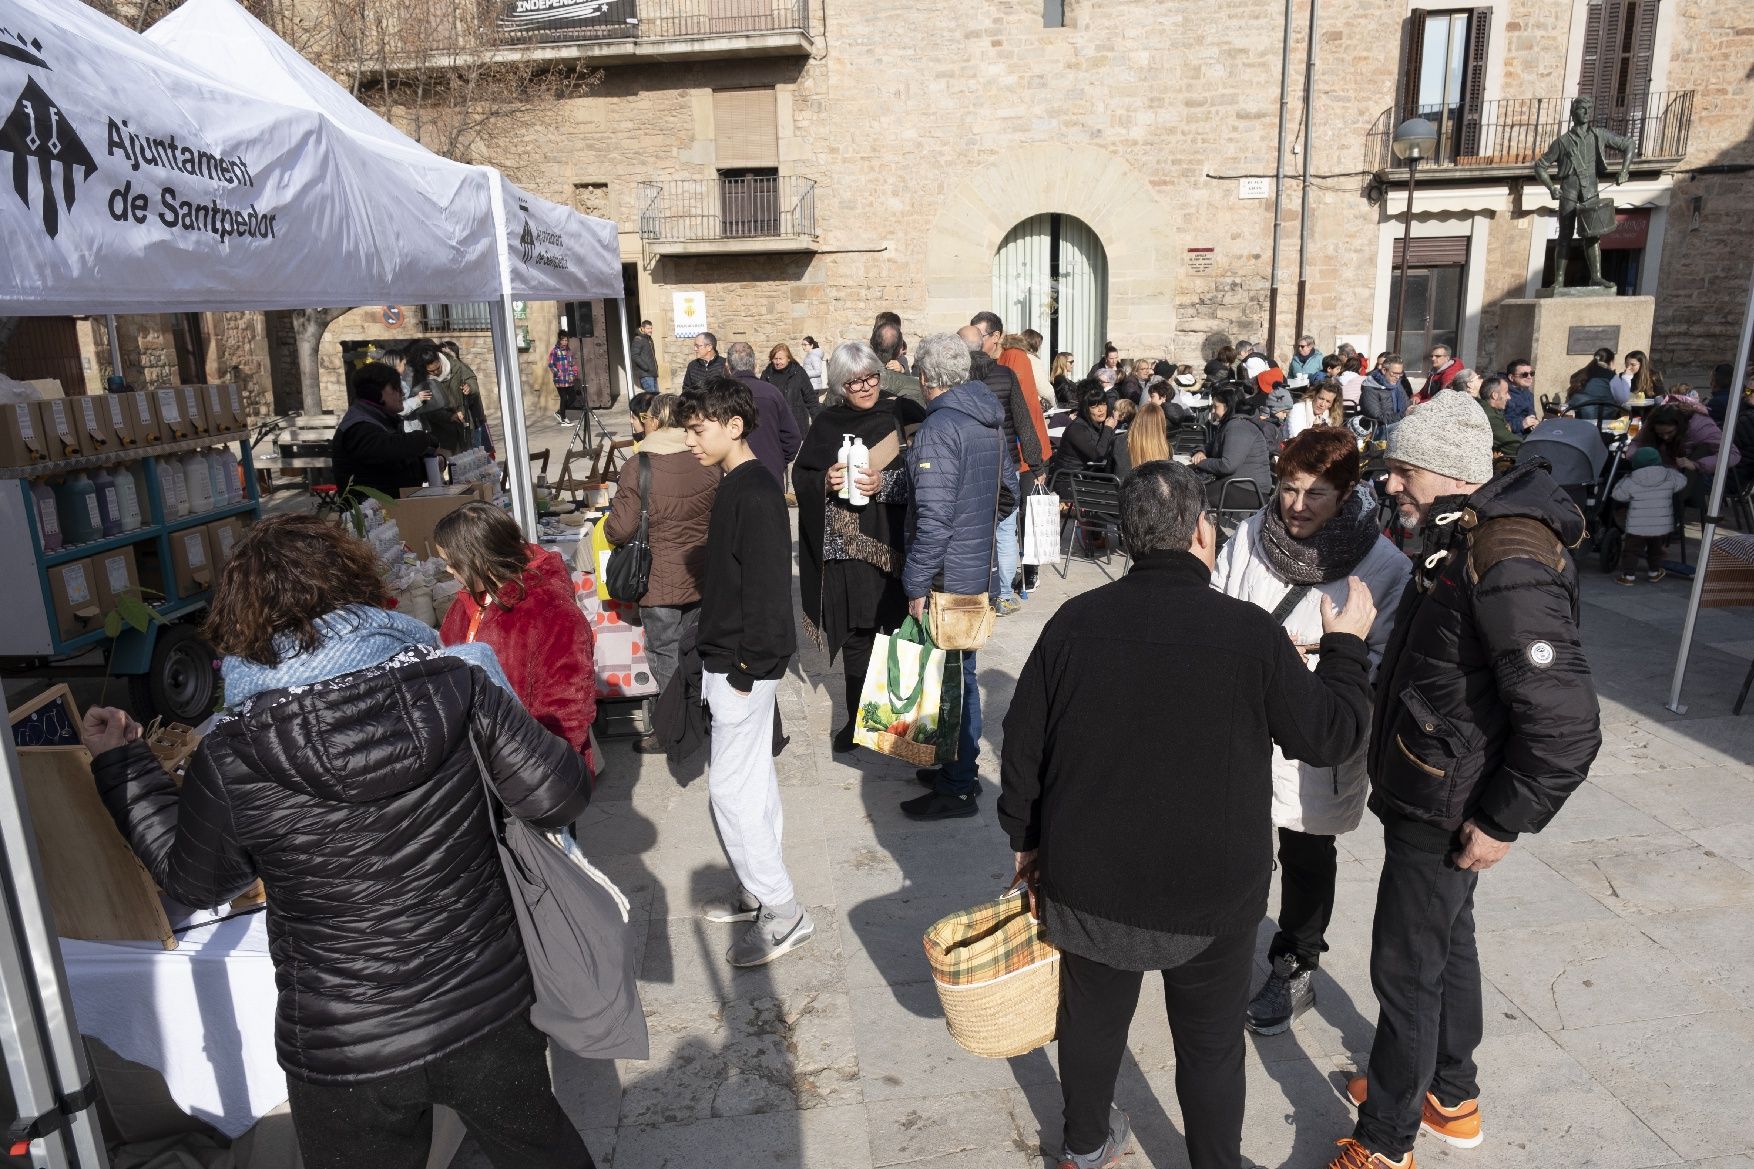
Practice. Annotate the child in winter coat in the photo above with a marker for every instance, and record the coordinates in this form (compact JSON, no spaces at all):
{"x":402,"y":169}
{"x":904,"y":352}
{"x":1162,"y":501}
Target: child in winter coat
{"x":1649,"y":494}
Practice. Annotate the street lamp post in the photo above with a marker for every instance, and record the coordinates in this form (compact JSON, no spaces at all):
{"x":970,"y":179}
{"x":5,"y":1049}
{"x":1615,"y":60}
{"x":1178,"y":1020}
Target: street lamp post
{"x":1414,"y":140}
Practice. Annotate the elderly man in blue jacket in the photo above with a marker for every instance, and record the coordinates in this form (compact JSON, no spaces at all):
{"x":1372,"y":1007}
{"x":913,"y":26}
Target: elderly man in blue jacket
{"x":961,"y":489}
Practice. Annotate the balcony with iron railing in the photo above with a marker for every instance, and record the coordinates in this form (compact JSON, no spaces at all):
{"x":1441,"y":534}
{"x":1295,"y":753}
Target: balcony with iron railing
{"x":610,"y":32}
{"x":744,"y":215}
{"x":1507,"y":136}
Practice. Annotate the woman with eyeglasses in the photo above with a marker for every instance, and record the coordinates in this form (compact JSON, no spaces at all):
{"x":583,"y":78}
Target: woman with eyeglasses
{"x":1319,"y":529}
{"x":850,"y":558}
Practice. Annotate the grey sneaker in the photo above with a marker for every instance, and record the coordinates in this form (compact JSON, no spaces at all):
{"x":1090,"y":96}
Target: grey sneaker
{"x":769,"y":938}
{"x":1288,"y":992}
{"x":740,"y":907}
{"x":1113,"y":1149}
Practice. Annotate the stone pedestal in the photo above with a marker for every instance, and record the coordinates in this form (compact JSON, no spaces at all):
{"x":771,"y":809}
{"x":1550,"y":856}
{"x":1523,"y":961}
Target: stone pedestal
{"x":1559,"y":334}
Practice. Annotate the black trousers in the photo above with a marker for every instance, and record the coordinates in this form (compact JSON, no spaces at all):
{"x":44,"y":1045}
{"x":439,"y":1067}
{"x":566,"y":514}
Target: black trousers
{"x":498,"y":1084}
{"x":1425,"y":969}
{"x":1308,"y":867}
{"x":855,"y":657}
{"x":1207,"y":998}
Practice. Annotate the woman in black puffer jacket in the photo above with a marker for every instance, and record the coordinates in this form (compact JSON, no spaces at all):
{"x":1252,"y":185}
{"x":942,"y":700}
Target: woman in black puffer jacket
{"x":344,"y":777}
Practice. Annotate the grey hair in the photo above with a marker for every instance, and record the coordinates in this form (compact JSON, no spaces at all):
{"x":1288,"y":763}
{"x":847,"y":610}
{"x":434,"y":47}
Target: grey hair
{"x":741,"y":357}
{"x":850,"y":360}
{"x":942,"y":361}
{"x":1161,"y":504}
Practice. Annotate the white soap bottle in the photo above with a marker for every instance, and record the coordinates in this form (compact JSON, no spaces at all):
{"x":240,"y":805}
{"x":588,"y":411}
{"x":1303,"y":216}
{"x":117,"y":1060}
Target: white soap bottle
{"x":858,"y":459}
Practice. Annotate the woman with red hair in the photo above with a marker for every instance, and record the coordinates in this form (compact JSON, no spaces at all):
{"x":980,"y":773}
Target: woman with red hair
{"x":1319,"y":529}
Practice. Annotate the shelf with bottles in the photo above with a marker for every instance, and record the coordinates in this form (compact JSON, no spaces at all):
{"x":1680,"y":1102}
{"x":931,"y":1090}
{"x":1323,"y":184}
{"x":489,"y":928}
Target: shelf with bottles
{"x":83,"y":512}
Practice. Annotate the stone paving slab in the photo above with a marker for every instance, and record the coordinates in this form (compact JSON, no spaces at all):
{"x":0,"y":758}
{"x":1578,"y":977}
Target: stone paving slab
{"x":1617,"y":949}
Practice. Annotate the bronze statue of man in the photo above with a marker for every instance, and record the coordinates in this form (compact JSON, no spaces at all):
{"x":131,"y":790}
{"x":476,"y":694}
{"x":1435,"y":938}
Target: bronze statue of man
{"x":1570,"y":171}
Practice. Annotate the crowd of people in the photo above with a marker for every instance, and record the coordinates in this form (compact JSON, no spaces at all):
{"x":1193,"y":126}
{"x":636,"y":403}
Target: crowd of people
{"x":1436,"y":679}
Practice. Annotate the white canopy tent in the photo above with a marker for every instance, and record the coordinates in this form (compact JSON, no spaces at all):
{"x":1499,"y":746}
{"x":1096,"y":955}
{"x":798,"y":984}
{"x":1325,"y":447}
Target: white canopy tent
{"x":142,"y":182}
{"x":211,"y":168}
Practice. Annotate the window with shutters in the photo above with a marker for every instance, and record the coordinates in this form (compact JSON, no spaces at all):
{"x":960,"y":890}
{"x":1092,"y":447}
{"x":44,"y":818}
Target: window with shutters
{"x":1436,"y":276}
{"x":1620,"y":39}
{"x":1443,"y":75}
{"x":746,"y":136}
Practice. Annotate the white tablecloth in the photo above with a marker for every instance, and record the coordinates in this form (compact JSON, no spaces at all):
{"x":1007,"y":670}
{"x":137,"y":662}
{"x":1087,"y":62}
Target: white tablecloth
{"x":202,"y":1015}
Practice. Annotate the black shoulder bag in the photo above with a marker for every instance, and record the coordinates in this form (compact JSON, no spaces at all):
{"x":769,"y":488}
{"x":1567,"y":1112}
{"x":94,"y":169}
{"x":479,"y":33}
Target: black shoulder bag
{"x":629,"y":570}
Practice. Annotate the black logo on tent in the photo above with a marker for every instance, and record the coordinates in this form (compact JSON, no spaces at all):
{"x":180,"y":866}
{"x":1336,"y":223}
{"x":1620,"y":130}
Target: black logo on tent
{"x":14,"y":45}
{"x":527,"y":242}
{"x":37,"y":128}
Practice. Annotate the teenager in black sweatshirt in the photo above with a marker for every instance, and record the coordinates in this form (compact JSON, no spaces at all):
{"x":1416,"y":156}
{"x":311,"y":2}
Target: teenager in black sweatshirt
{"x":746,"y":638}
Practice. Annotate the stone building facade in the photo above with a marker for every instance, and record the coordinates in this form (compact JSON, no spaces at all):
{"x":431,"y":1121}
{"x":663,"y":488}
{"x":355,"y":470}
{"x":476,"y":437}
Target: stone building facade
{"x":804,"y":164}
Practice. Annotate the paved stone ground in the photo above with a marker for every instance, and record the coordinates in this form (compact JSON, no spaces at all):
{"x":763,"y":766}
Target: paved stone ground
{"x":1617,"y":947}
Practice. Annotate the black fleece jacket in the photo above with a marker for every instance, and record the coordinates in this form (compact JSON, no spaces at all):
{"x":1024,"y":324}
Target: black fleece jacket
{"x":1167,"y":826}
{"x":746,"y":616}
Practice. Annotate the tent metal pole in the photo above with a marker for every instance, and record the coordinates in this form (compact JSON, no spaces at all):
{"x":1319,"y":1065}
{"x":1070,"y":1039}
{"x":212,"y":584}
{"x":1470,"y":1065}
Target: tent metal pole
{"x":115,"y":346}
{"x":45,"y":1058}
{"x":626,"y":351}
{"x":1738,"y":373}
{"x":511,"y":415}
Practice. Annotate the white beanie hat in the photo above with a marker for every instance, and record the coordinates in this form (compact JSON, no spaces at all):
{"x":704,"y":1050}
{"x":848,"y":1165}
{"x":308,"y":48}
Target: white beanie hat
{"x":1450,"y":435}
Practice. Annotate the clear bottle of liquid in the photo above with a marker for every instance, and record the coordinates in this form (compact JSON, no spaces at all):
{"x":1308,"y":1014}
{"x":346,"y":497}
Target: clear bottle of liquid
{"x":198,"y":483}
{"x":234,"y":484}
{"x":109,"y":505}
{"x":171,"y":494}
{"x":48,"y":518}
{"x":128,"y":498}
{"x":76,"y":501}
{"x":216,"y":478}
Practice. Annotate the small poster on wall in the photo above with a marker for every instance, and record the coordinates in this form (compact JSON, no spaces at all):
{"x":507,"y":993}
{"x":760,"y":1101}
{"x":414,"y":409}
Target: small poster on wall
{"x":690,"y":313}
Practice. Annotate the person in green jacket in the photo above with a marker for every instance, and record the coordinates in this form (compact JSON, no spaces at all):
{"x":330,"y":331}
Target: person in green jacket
{"x":1495,"y":395}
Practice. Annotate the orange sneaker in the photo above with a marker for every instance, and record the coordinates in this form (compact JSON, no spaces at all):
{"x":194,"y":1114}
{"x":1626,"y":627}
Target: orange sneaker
{"x":1458,"y":1126}
{"x":1355,"y":1156}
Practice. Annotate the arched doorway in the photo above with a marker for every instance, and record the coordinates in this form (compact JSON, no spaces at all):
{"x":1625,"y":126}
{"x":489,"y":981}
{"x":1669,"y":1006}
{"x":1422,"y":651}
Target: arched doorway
{"x":1050,"y":274}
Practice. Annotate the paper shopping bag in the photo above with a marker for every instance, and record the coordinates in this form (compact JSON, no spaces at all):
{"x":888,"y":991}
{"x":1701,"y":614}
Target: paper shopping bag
{"x":1041,"y":528}
{"x":903,"y":710}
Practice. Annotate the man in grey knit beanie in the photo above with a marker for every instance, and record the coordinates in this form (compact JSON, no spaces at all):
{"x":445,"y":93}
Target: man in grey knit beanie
{"x":1443,"y":447}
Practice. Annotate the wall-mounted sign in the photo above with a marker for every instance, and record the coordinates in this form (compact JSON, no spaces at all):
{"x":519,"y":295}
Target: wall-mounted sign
{"x":604,"y":17}
{"x":392,"y":316}
{"x":689,"y":310}
{"x":1253,"y":188}
{"x":1581,"y":339}
{"x":1201,"y":260}
{"x":521,"y":309}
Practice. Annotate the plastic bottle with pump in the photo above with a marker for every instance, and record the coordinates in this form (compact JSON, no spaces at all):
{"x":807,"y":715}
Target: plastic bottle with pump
{"x":48,"y":519}
{"x":858,"y":459}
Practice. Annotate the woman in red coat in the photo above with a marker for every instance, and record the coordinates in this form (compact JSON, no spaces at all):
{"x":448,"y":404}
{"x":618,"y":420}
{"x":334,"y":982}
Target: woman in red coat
{"x":518,"y":599}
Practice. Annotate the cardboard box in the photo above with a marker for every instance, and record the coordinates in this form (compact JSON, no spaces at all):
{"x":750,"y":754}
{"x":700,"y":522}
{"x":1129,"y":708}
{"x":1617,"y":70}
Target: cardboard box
{"x":238,"y":411}
{"x":194,"y":399}
{"x":421,"y":508}
{"x":116,"y":575}
{"x":118,"y":409}
{"x":223,"y":537}
{"x":73,"y":587}
{"x":60,"y":427}
{"x":191,"y":561}
{"x":47,"y":387}
{"x":167,"y":409}
{"x":141,"y":406}
{"x":220,"y":418}
{"x":22,"y":443}
{"x":97,"y":434}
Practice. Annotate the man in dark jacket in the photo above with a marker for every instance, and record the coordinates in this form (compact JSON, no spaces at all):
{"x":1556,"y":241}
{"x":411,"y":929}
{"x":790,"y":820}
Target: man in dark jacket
{"x":371,"y":449}
{"x":1486,"y":720}
{"x":960,"y":473}
{"x":645,"y":357}
{"x":706,"y":363}
{"x":1155,"y":858}
{"x":886,"y":343}
{"x":984,"y":337}
{"x":1520,"y":410}
{"x":1385,"y":393}
{"x":1717,"y":401}
{"x":777,"y":439}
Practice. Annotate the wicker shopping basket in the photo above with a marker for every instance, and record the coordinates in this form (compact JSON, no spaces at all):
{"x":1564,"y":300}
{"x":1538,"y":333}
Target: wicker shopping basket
{"x":997,"y":976}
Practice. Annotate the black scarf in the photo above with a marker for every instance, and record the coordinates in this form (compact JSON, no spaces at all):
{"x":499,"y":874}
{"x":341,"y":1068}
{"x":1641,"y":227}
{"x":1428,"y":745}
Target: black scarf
{"x":875,"y":533}
{"x":1332,"y":553}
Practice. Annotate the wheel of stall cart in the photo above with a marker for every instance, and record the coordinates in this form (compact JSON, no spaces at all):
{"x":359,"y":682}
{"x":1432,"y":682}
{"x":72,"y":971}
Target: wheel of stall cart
{"x":1608,"y":546}
{"x":181,"y":683}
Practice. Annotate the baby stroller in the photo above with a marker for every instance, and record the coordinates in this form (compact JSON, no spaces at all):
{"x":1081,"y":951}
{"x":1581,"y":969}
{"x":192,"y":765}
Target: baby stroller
{"x":1584,"y":465}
